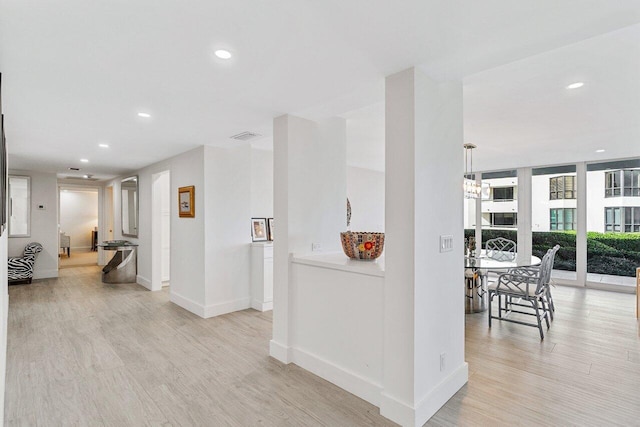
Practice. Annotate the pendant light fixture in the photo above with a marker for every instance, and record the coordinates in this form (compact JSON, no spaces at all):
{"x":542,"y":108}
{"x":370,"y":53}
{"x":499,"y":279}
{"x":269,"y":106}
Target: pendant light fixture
{"x":472,"y":189}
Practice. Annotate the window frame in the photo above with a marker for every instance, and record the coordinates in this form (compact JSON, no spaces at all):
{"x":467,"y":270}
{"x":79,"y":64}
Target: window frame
{"x":11,"y":222}
{"x":561,"y":219}
{"x":558,"y":187}
{"x":631,"y":219}
{"x":513,"y":192}
{"x":515,"y":219}
{"x":613,"y":183}
{"x":631,"y":182}
{"x":611,"y":227}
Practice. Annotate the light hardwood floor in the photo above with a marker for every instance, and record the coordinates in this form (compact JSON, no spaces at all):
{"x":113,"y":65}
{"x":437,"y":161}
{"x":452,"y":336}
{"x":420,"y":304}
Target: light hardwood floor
{"x":85,"y":353}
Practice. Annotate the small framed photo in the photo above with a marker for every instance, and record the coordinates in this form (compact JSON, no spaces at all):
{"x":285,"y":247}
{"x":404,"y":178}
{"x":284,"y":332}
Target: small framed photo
{"x":258,"y":229}
{"x":270,"y":224}
{"x":186,"y":202}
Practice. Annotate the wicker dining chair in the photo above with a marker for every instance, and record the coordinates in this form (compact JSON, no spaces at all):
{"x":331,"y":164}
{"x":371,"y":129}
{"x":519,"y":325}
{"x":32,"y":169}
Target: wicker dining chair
{"x":524,"y":291}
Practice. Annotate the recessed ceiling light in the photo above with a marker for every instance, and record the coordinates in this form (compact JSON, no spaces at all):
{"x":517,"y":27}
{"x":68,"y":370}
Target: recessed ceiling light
{"x":600,"y":151}
{"x":85,"y":176}
{"x":222,"y":54}
{"x":145,"y":115}
{"x":103,"y":145}
{"x":84,"y":160}
{"x":575,"y":85}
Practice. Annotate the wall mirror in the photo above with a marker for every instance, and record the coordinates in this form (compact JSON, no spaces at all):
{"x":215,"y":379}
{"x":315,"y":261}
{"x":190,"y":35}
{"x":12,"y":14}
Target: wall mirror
{"x":19,"y":206}
{"x":129,"y":206}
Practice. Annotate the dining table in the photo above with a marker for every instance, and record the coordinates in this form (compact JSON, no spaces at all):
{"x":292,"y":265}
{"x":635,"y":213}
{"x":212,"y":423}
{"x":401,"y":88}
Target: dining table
{"x":477,"y":270}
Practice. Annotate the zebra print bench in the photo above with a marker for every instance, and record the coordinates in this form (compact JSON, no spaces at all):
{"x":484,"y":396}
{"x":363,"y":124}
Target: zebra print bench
{"x":21,"y":269}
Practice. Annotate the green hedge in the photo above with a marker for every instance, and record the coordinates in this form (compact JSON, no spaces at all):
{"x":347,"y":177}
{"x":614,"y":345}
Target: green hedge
{"x":607,"y":253}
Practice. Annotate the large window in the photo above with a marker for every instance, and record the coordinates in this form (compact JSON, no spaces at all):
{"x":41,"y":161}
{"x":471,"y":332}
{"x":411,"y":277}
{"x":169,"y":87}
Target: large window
{"x":612,"y":184}
{"x":632,"y":219}
{"x":612,"y":219}
{"x":502,"y":193}
{"x":631,"y":182}
{"x":504,"y":219}
{"x":622,"y":183}
{"x":19,"y":206}
{"x":562,"y":219}
{"x":562,"y":187}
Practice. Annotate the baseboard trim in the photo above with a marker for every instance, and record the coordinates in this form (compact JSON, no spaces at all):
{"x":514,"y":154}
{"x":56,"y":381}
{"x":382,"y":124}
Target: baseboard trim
{"x":45,"y":274}
{"x":440,"y":394}
{"x":227,"y":307}
{"x":143,"y":281}
{"x":404,"y":414}
{"x":261,"y":305}
{"x":280,"y":352}
{"x":362,"y":387}
{"x":611,"y":287}
{"x":186,"y":303}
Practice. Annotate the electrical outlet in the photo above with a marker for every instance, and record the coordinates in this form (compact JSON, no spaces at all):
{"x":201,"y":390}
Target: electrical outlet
{"x":316,"y":247}
{"x":446,"y":243}
{"x":443,"y":359}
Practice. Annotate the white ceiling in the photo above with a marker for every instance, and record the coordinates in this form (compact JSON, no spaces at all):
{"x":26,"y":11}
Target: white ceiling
{"x":521,"y":114}
{"x":75,"y":72}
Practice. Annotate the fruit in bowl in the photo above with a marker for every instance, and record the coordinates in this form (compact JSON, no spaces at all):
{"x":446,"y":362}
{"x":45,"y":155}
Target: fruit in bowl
{"x":362,"y":245}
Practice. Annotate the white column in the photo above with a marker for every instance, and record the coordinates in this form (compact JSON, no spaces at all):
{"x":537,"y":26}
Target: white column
{"x":524,"y":214}
{"x":478,"y":217}
{"x":424,"y":293}
{"x":581,"y":225}
{"x":310,"y":197}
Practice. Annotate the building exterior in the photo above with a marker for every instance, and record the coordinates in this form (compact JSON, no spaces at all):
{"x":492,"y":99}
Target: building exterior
{"x":613,"y":202}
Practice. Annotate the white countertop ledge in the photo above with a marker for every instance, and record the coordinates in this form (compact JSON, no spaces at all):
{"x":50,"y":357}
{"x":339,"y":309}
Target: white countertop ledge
{"x":339,"y":261}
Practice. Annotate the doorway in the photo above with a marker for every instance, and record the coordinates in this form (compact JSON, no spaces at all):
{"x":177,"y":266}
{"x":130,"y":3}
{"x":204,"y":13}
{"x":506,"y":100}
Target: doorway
{"x":78,"y":226}
{"x":161,"y":230}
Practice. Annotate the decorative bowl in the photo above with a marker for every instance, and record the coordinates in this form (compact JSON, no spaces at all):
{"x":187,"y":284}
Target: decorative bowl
{"x":362,"y":245}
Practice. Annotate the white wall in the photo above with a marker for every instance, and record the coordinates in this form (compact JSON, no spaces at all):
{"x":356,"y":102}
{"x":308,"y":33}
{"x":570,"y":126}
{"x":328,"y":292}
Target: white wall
{"x":210,"y":265}
{"x":44,"y":223}
{"x":261,"y":183}
{"x":78,"y":216}
{"x":309,"y":204}
{"x":187,"y":237}
{"x":337,"y":323}
{"x":365,"y":190}
{"x":227,"y":230}
{"x":164,"y":193}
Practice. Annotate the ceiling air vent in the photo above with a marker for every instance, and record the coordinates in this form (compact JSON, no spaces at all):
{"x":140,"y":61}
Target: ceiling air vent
{"x":81,"y":178}
{"x":245,"y":136}
{"x":74,"y":169}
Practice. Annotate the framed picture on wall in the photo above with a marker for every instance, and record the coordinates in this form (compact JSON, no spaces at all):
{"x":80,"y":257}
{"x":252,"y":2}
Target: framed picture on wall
{"x":270,"y":224}
{"x":258,"y":229}
{"x":186,"y":202}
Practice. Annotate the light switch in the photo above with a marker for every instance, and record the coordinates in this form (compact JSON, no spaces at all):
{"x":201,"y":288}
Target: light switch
{"x":446,"y":243}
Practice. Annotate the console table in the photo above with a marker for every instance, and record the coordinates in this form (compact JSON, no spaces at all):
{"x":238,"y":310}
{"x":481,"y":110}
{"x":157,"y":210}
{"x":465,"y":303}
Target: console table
{"x":122,"y":268}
